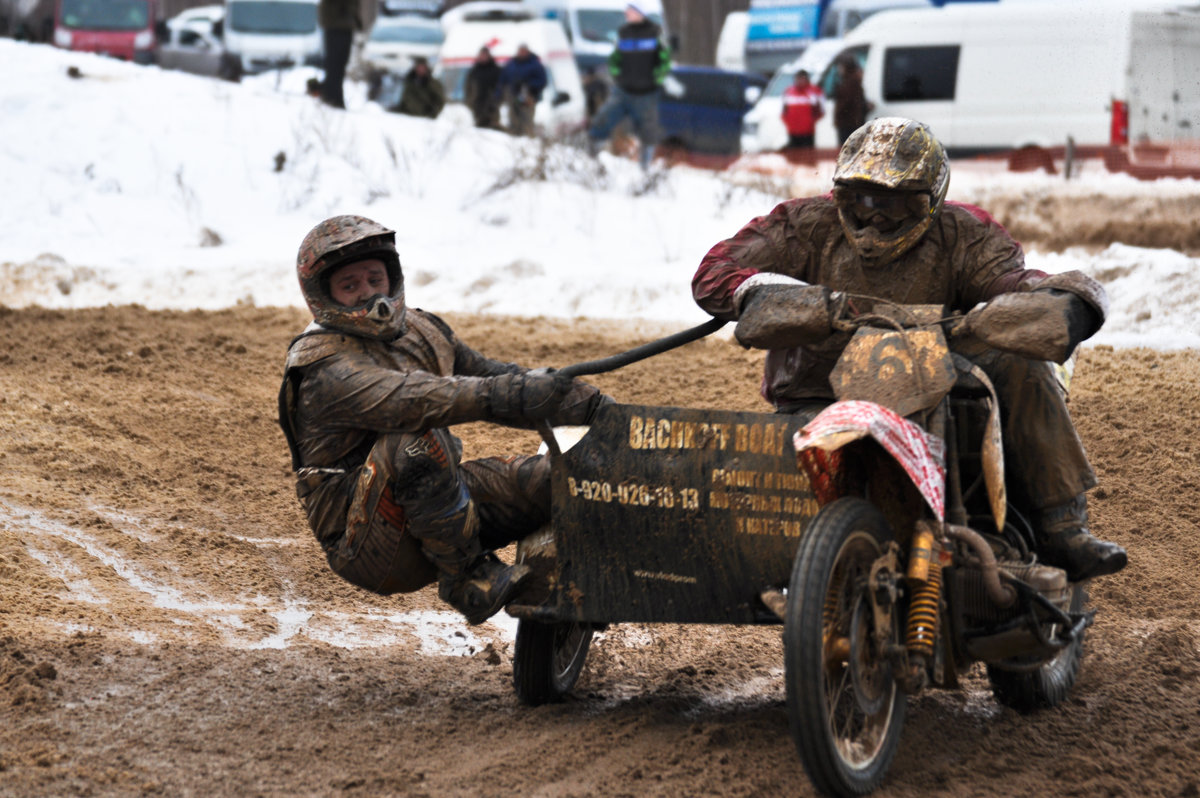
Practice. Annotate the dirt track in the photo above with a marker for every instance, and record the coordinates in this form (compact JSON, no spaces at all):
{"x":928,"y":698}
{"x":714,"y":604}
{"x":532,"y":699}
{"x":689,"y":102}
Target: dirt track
{"x":168,"y":626}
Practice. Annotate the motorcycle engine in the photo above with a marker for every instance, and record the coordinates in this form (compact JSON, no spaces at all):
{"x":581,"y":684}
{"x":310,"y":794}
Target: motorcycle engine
{"x":990,"y":635}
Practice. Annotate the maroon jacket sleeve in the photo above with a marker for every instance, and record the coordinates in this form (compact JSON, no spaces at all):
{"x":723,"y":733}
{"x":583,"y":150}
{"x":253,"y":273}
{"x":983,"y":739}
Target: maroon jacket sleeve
{"x":768,"y":243}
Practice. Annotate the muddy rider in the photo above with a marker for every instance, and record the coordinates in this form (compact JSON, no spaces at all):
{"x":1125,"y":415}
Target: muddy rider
{"x":886,"y":231}
{"x":371,"y":387}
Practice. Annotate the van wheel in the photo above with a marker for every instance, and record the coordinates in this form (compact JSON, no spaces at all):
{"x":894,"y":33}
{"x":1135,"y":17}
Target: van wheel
{"x":671,"y":152}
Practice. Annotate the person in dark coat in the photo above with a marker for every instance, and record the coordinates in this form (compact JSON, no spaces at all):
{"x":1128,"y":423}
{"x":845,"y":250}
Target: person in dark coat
{"x":522,"y":82}
{"x":596,"y":89}
{"x":482,"y":83}
{"x":850,"y":106}
{"x":339,"y":19}
{"x":423,"y":94}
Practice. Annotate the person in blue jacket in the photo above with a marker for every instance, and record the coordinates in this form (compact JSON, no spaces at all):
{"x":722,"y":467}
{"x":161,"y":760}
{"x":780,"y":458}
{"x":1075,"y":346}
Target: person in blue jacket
{"x":638,"y":65}
{"x":522,"y":82}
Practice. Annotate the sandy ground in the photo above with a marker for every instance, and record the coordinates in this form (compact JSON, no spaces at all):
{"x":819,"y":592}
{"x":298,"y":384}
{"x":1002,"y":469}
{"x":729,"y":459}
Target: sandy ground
{"x":168,"y":625}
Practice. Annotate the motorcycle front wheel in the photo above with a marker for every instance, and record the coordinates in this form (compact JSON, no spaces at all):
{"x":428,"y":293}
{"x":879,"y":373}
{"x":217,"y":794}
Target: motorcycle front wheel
{"x":547,"y":659}
{"x":844,"y":706}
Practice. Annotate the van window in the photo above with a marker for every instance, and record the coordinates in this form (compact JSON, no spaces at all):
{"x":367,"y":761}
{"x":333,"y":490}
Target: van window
{"x":913,"y":74}
{"x":271,"y":17}
{"x":600,"y":26}
{"x":114,"y":15}
{"x":832,"y":75}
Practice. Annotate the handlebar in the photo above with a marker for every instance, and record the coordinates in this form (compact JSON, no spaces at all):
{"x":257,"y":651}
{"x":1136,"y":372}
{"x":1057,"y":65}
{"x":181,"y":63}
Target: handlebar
{"x":846,"y":316}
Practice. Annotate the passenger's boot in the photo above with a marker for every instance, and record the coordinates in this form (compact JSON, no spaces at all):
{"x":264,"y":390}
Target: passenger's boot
{"x":1064,"y":541}
{"x":483,"y":589}
{"x":474,"y":583}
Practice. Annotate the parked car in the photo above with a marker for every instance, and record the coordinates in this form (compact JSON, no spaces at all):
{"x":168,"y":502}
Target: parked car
{"x":395,"y":41}
{"x":762,"y":127}
{"x":406,"y":8}
{"x":193,"y":41}
{"x":119,"y":28}
{"x":273,"y":34}
{"x":702,"y":107}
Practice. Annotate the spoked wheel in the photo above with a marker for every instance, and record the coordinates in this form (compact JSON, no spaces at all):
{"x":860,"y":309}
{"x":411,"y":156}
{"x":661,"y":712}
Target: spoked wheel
{"x":844,"y":706}
{"x":548,"y":658}
{"x":1030,"y":686}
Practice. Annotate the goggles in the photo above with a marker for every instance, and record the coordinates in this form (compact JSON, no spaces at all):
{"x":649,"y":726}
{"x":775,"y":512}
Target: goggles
{"x":865,"y":203}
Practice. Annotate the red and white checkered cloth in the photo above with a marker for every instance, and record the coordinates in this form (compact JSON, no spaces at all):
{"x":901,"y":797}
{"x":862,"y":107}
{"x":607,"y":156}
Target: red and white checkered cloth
{"x":921,"y":455}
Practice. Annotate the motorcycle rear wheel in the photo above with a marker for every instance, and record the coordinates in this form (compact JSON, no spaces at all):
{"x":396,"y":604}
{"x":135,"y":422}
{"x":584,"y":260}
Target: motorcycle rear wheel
{"x":1047,"y":686}
{"x":547,"y":659}
{"x":845,"y":708}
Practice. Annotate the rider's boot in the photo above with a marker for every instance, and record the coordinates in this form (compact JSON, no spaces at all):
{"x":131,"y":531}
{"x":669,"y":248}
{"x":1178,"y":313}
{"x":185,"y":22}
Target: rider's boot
{"x":645,"y":156}
{"x":1064,"y":541}
{"x":475,"y":583}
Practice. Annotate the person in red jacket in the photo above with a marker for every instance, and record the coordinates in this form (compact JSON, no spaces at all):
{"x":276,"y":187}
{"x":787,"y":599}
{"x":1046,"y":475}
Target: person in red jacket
{"x":803,"y":105}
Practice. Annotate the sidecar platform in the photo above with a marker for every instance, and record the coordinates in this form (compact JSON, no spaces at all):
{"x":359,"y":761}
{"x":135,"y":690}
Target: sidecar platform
{"x":666,"y":514}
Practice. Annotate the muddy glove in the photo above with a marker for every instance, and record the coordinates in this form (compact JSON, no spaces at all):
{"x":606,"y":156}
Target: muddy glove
{"x":785,"y":316}
{"x":1039,"y":325}
{"x":532,"y":395}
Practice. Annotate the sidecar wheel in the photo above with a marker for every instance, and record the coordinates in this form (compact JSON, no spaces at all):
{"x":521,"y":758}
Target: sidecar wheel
{"x":1048,"y":686}
{"x":547,"y":659}
{"x":845,"y":708}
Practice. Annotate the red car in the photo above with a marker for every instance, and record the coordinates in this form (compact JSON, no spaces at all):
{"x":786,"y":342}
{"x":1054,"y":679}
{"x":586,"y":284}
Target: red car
{"x":120,"y":28}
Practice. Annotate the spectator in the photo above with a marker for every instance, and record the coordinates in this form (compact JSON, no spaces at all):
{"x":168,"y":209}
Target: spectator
{"x":595,"y":91}
{"x":522,"y":82}
{"x":638,"y":64}
{"x":482,"y":82}
{"x":339,"y":20}
{"x":423,"y":95}
{"x":850,"y":106}
{"x":803,"y":105}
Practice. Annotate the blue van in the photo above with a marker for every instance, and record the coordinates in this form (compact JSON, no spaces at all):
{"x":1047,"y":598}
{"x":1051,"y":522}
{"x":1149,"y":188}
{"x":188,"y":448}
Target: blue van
{"x":701,"y":109}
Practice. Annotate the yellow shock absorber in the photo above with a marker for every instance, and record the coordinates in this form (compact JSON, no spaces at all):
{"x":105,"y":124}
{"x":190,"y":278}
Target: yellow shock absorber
{"x":923,"y":612}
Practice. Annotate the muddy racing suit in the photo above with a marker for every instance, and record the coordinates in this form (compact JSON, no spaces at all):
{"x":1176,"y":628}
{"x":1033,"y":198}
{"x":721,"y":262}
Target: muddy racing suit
{"x":379,"y":475}
{"x":965,"y":258}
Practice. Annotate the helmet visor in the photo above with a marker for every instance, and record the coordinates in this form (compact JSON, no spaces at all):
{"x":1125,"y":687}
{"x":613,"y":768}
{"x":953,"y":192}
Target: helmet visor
{"x":886,"y":211}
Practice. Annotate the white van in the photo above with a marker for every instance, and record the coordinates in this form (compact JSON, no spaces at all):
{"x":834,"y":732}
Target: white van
{"x":270,"y":34}
{"x":762,"y":127}
{"x":502,"y":27}
{"x":990,"y":77}
{"x":842,"y":16}
{"x":591,"y":25}
{"x":731,"y":43}
{"x":778,"y":31}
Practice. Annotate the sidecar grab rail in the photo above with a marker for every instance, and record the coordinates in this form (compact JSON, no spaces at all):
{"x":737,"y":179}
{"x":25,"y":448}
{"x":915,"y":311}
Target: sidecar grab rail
{"x":613,"y":362}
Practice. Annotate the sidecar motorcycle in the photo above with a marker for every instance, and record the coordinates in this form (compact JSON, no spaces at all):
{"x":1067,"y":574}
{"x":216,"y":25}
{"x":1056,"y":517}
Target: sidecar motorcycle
{"x":879,"y":533}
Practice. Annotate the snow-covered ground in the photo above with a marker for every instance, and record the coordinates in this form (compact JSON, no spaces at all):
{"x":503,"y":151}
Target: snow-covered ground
{"x":134,"y":185}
